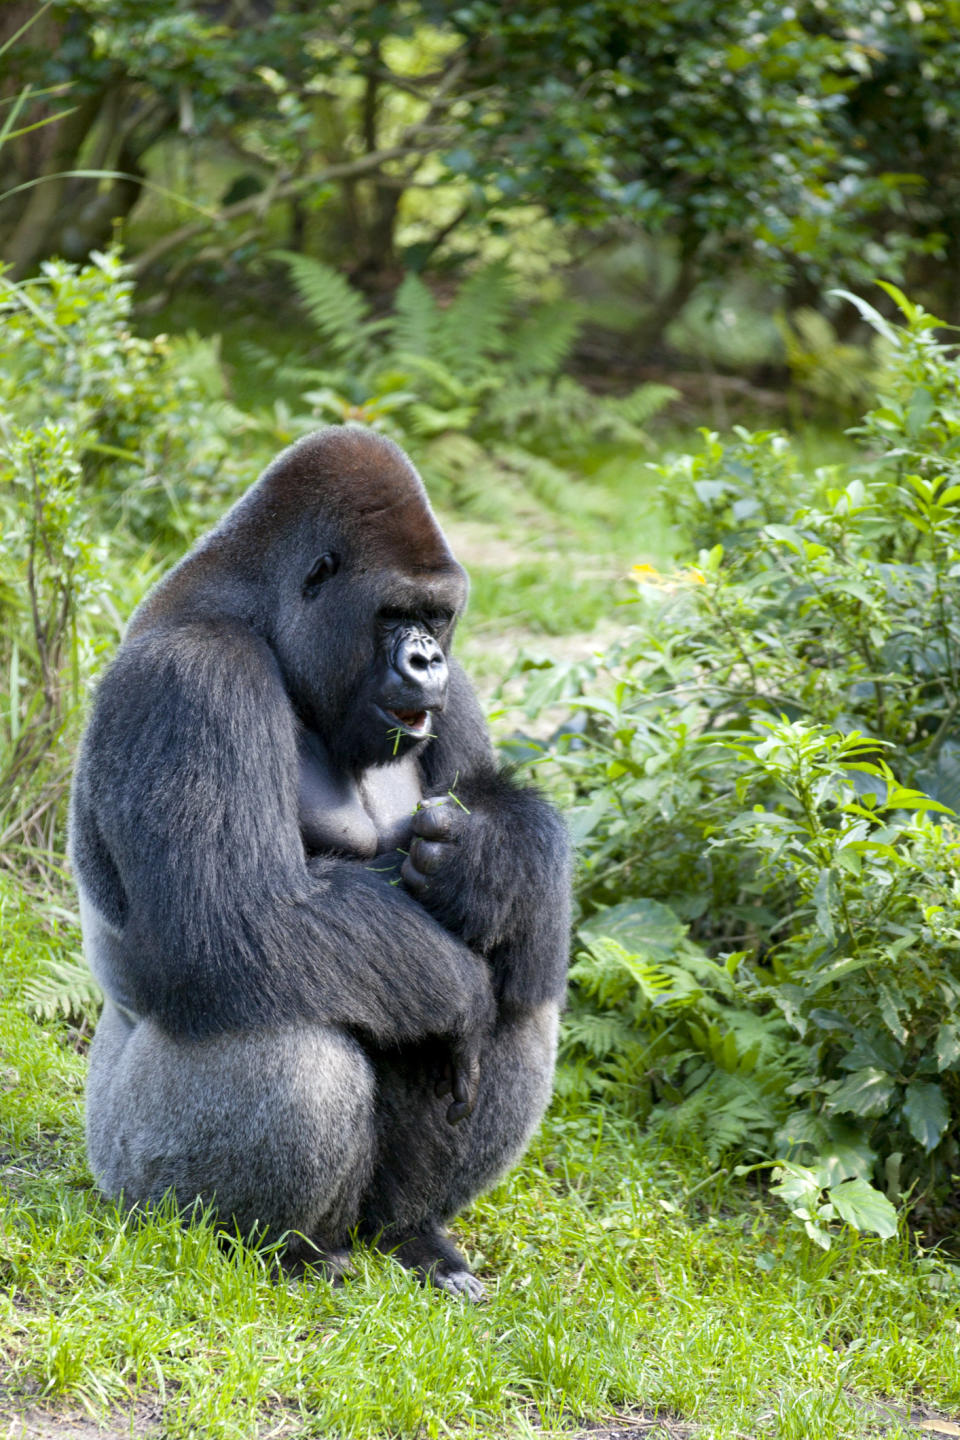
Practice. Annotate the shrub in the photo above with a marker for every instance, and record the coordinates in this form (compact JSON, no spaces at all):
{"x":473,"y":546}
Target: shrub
{"x":763,"y":793}
{"x":156,"y":449}
{"x":97,"y":427}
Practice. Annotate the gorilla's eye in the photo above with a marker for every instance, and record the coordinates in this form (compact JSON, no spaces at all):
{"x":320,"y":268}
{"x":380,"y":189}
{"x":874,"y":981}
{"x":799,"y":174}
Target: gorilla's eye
{"x":322,"y":569}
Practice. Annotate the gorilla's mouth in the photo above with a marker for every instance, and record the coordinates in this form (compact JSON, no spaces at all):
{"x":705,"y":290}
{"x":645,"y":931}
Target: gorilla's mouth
{"x":414,"y":722}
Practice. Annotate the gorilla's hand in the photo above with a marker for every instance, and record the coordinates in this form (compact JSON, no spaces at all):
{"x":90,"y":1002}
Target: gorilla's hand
{"x":438,"y":825}
{"x":460,"y":1077}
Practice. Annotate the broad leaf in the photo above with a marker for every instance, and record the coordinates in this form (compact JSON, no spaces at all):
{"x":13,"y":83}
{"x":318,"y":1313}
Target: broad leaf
{"x":638,"y":925}
{"x":926,"y":1113}
{"x":948,"y":1045}
{"x":865,"y":1092}
{"x":863,"y":1207}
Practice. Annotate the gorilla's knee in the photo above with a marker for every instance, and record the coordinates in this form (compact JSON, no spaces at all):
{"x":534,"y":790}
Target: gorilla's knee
{"x":273,"y":1128}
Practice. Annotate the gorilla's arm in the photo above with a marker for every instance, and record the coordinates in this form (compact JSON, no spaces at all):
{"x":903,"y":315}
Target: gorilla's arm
{"x":498,"y":858}
{"x":185,"y":838}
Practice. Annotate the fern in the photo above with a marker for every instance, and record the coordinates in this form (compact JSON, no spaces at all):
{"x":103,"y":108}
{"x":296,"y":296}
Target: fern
{"x":602,"y":1034}
{"x":459,"y":473}
{"x":726,"y":1113}
{"x":642,"y":404}
{"x":831,"y":371}
{"x":64,"y":987}
{"x":543,"y":340}
{"x":472,"y":330}
{"x":415,"y":318}
{"x":541,"y":415}
{"x":340,"y":313}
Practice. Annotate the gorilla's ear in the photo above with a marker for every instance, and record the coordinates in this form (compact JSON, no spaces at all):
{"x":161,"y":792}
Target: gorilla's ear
{"x":322,"y":568}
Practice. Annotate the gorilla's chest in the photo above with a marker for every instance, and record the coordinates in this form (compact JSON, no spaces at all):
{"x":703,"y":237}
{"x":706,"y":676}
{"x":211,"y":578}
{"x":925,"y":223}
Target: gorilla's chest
{"x":364,"y":817}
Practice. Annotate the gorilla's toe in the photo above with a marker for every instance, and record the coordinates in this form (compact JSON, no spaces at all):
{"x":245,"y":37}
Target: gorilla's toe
{"x":461,"y":1284}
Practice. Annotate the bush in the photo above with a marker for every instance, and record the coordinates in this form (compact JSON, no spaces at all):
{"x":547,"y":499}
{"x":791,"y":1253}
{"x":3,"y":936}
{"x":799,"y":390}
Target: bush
{"x":152,"y":432}
{"x":97,"y":428}
{"x":764,"y":791}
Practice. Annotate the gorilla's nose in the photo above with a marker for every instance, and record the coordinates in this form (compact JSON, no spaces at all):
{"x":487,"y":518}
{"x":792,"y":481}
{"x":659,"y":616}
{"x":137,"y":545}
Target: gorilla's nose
{"x":420,"y":663}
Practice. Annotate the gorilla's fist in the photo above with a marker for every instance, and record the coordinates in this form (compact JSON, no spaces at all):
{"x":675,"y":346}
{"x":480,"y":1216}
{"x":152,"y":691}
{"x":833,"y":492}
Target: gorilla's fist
{"x":438,"y":826}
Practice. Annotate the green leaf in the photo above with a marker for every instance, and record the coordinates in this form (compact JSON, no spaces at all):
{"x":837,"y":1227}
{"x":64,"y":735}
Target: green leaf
{"x":865,"y":1092}
{"x":921,"y":408}
{"x":926,"y":1113}
{"x":865,"y":1208}
{"x":644,"y":925}
{"x":948,"y":1045}
{"x":872,"y":316}
{"x":826,"y":897}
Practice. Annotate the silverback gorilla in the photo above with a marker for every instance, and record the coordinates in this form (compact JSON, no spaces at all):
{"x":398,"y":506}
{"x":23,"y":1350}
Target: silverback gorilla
{"x":331,"y":935}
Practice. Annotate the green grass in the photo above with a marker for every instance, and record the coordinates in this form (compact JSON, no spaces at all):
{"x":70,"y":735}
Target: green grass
{"x":621,"y":1275}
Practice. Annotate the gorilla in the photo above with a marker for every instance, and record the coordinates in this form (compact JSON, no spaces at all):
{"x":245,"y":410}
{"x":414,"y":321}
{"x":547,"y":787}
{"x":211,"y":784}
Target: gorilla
{"x":332,"y":936}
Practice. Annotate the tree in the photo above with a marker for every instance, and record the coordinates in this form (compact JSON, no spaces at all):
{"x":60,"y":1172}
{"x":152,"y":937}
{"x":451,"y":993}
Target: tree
{"x":746,"y":132}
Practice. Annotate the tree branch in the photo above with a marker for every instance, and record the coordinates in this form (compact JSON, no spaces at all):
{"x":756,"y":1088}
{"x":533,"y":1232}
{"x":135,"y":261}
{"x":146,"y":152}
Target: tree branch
{"x":283,"y":190}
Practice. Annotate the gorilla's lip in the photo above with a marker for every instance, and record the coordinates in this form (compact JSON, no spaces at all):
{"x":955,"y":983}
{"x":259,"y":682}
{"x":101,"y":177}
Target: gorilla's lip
{"x":414,"y":722}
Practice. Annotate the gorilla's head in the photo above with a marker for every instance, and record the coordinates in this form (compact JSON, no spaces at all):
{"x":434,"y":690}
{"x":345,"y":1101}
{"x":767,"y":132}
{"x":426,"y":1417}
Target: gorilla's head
{"x":336,"y":558}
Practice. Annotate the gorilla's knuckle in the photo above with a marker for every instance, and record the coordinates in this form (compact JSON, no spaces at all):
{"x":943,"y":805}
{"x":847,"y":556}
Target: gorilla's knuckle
{"x":428,"y":855}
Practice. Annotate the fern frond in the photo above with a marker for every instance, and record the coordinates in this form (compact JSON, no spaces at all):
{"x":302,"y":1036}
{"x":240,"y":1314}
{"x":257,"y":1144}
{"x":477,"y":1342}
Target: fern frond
{"x":602,"y":1034}
{"x":642,"y":404}
{"x":472,"y":330}
{"x":340,"y":313}
{"x":413,"y":328}
{"x":543,"y":339}
{"x":426,"y":368}
{"x":291,"y":372}
{"x":64,"y":987}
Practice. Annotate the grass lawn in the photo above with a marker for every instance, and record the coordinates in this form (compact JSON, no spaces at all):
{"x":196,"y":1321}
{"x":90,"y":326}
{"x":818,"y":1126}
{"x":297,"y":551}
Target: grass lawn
{"x":624,"y":1280}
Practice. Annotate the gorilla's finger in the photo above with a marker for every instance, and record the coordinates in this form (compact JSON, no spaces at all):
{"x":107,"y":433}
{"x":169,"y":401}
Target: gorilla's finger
{"x":444,"y":1085}
{"x":428,"y":855}
{"x":438,"y":821}
{"x":465,"y":1063}
{"x":416,"y":883}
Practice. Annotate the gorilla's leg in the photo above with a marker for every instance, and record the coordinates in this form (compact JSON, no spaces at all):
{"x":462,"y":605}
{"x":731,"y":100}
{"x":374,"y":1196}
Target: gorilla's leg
{"x":275,"y":1127}
{"x":427,"y":1169}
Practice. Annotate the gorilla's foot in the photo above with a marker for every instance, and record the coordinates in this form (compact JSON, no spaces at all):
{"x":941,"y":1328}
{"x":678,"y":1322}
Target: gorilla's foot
{"x":435,"y":1260}
{"x":304,"y":1258}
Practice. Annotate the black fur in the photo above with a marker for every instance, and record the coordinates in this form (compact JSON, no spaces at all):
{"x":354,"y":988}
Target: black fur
{"x":204,"y":914}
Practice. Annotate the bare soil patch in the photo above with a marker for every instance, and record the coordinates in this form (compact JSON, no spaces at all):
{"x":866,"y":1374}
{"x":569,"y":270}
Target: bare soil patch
{"x":39,"y":1423}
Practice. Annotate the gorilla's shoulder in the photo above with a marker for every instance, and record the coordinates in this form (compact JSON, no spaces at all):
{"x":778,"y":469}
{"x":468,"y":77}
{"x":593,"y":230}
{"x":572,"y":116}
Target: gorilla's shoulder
{"x":218,"y":668}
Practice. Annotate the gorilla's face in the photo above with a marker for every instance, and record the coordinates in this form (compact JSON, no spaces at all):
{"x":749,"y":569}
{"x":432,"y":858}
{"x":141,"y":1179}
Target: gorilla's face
{"x":408,"y":684}
{"x":359,"y":591}
{"x":365,"y":657}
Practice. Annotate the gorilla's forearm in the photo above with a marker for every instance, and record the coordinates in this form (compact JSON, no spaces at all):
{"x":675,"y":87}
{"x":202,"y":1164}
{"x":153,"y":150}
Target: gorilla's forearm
{"x":504,"y":887}
{"x":338,"y":947}
{"x":211,"y":920}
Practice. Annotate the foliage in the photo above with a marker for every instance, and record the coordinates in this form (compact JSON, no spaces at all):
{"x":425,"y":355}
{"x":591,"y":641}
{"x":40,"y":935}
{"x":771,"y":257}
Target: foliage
{"x":597,"y":1251}
{"x":839,"y":377}
{"x":764,"y":791}
{"x":746,"y":134}
{"x":471,"y":389}
{"x":133,"y":439}
{"x":156,"y":450}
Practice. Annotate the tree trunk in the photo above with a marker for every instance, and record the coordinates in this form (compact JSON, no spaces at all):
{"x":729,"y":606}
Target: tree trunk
{"x":32,"y":235}
{"x":649,"y":336}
